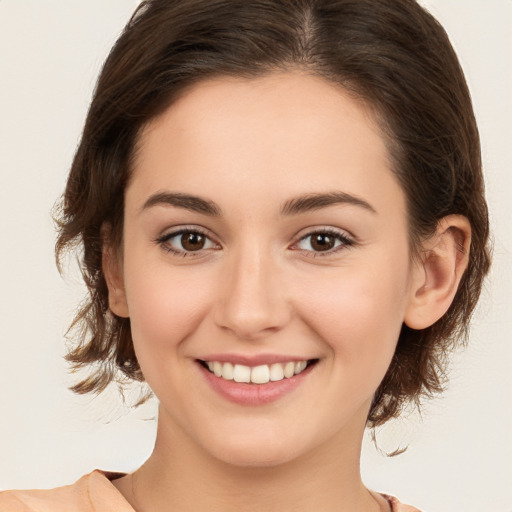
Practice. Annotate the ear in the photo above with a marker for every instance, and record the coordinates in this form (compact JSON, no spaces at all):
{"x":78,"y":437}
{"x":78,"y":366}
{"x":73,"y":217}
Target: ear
{"x":113,"y":271}
{"x":437,"y":274}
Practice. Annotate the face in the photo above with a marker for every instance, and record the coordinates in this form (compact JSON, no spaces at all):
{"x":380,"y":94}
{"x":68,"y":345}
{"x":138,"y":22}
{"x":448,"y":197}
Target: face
{"x":264,"y":233}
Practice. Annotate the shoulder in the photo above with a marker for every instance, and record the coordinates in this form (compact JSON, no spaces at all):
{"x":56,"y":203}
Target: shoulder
{"x":93,"y":492}
{"x":396,"y":506}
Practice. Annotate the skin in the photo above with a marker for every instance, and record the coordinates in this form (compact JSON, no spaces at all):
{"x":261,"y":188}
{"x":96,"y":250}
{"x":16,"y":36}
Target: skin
{"x":260,"y":287}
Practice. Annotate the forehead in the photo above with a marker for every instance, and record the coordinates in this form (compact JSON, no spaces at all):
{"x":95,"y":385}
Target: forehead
{"x":285,"y":133}
{"x":269,"y":102}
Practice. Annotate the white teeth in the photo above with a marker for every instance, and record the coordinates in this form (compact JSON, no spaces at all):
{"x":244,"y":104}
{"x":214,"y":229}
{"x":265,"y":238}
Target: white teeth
{"x":276,"y":372}
{"x":228,"y":371}
{"x":260,"y":374}
{"x":217,"y":368}
{"x":300,"y":366}
{"x":257,"y":374}
{"x":241,"y":373}
{"x":289,"y":370}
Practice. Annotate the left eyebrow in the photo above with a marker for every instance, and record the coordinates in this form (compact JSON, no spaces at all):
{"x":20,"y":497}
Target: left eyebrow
{"x":310,"y":202}
{"x":185,"y":201}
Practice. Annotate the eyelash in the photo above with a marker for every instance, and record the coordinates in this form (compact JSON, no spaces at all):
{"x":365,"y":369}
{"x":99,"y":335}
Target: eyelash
{"x":163,"y":241}
{"x":344,"y":240}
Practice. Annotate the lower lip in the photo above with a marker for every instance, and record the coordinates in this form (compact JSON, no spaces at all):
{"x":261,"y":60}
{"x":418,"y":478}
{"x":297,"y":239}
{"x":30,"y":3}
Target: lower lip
{"x":254,"y":394}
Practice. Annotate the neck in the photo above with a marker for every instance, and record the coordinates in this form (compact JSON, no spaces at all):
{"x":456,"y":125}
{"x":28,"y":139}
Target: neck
{"x":181,"y":477}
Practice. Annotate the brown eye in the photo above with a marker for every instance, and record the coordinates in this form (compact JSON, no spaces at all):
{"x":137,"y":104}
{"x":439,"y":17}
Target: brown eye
{"x":322,"y":242}
{"x":193,"y":241}
{"x":186,"y":241}
{"x":328,"y":242}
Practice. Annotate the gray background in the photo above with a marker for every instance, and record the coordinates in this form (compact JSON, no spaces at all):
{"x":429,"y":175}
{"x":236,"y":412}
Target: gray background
{"x":460,"y":452}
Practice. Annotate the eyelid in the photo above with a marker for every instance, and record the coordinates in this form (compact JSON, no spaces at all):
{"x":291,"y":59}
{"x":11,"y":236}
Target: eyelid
{"x":163,"y":239}
{"x":347,"y":240}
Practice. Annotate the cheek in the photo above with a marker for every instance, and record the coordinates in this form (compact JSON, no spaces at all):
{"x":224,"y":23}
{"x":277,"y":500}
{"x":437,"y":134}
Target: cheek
{"x":165,"y":306}
{"x":359,"y":313}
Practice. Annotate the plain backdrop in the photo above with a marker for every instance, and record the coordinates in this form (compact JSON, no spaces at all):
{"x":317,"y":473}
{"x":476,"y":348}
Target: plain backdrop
{"x":460,"y":451}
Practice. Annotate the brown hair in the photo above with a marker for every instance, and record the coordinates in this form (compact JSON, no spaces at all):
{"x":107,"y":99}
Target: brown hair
{"x":391,"y":53}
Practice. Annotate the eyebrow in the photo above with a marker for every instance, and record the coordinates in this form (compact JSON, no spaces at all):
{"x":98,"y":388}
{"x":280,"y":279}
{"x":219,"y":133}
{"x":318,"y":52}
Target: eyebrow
{"x":310,"y":202}
{"x":186,"y":201}
{"x":297,"y":205}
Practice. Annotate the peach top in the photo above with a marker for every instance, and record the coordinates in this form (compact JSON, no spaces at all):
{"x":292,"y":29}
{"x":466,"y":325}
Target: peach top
{"x":95,"y":492}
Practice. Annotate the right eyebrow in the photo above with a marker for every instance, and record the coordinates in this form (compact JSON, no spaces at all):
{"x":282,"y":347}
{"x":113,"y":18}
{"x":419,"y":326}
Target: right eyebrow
{"x":186,"y":201}
{"x":315,"y":201}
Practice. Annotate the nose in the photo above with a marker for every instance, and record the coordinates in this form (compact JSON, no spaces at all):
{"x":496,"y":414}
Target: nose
{"x":253,"y":301}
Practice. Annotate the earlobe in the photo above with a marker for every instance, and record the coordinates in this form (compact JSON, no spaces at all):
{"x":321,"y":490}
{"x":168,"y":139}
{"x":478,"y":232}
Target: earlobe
{"x":112,"y":270}
{"x":437,"y":275}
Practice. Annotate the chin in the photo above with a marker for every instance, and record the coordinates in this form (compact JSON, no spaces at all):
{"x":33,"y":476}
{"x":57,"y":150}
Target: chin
{"x":256,"y":458}
{"x":255,"y":452}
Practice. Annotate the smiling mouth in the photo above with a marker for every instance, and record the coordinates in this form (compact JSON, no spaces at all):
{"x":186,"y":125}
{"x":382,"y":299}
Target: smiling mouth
{"x":261,"y":374}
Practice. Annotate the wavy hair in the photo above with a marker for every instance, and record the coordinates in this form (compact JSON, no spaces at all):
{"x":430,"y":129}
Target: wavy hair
{"x":392,"y":54}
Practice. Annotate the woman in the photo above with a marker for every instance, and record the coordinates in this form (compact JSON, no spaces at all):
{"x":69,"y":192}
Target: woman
{"x":281,"y":211}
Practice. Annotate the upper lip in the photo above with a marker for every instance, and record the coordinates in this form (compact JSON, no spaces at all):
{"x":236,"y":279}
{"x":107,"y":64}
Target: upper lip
{"x":254,"y":360}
